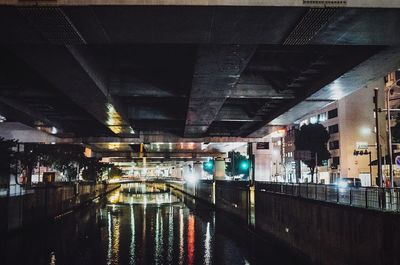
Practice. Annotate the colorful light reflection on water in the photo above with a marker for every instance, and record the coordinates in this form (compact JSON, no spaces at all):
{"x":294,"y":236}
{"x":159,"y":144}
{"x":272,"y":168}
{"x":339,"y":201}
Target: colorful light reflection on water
{"x":130,"y":228}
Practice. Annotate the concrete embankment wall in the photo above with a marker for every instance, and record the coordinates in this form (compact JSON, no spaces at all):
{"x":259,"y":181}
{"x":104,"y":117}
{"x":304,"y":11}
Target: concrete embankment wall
{"x":42,"y":203}
{"x":231,"y":197}
{"x":330,"y":233}
{"x":326,"y":233}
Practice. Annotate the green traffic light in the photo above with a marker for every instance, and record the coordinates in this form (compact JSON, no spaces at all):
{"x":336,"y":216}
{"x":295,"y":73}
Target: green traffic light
{"x":244,"y":165}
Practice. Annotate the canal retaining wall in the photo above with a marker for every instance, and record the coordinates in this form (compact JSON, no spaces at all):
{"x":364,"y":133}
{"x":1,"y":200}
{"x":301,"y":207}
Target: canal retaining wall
{"x":233,"y":198}
{"x":326,"y":233}
{"x":229,"y":196}
{"x":42,"y":203}
{"x":205,"y":191}
{"x":330,"y":233}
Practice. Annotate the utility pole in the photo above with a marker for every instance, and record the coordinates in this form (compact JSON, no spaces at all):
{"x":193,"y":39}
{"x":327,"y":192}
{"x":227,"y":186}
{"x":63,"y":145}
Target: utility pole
{"x":233,"y":163}
{"x":370,"y":166}
{"x":378,"y":145}
{"x":252,"y":163}
{"x":316,"y":167}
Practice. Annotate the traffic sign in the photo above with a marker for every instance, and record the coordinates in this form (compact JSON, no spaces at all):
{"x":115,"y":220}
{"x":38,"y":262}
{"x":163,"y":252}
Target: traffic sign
{"x":398,"y":161}
{"x":361,"y":145}
{"x":262,"y":145}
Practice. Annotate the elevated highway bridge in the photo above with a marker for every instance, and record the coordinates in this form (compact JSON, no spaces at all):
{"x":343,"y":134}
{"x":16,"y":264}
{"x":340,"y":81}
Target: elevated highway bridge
{"x":103,"y":73}
{"x":178,"y":81}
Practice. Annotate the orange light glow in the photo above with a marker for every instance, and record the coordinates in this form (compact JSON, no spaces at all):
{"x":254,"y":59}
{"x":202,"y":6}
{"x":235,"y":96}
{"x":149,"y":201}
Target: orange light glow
{"x":191,"y":240}
{"x":88,"y":152}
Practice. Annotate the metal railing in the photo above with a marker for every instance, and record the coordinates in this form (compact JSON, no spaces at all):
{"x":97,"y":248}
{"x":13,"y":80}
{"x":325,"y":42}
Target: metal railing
{"x":22,"y":206}
{"x":14,"y":190}
{"x":385,"y":199}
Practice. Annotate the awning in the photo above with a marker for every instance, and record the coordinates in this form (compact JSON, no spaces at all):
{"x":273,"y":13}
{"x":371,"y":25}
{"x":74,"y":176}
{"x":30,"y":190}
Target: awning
{"x":385,"y":160}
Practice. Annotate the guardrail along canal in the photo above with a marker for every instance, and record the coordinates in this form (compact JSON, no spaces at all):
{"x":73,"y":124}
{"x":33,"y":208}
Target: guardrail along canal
{"x":143,"y":224}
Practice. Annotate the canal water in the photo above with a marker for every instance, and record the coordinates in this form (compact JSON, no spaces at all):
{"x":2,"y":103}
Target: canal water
{"x":143,"y":224}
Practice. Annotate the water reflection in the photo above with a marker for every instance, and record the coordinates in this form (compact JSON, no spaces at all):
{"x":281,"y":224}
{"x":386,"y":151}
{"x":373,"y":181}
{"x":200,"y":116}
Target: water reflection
{"x":131,"y":228}
{"x":162,"y":230}
{"x":168,"y":231}
{"x":138,"y":193}
{"x":207,"y":246}
{"x":141,"y":188}
{"x":190,"y":240}
{"x":132,"y":246}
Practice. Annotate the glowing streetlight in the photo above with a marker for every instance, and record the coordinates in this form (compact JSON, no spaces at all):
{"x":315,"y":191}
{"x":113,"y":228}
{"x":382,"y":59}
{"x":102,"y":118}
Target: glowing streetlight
{"x":365,"y":131}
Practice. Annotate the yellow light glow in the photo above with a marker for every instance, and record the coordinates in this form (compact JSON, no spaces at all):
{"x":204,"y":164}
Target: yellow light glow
{"x":88,"y":152}
{"x":113,"y":146}
{"x":114,"y":198}
{"x":115,"y":122}
{"x":115,"y":180}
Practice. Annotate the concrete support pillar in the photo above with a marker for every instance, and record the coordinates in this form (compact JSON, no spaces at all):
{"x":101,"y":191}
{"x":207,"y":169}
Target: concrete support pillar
{"x":262,"y":163}
{"x":176,"y":172}
{"x":188,"y":176}
{"x":219,"y":173}
{"x":187,"y":170}
{"x":197,"y":170}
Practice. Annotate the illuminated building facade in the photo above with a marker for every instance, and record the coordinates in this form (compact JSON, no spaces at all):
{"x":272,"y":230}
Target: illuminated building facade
{"x":350,"y":122}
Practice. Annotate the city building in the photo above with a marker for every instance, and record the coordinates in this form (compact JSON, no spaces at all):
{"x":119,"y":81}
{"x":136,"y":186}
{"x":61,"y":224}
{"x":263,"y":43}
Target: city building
{"x":350,"y":123}
{"x":291,"y":165}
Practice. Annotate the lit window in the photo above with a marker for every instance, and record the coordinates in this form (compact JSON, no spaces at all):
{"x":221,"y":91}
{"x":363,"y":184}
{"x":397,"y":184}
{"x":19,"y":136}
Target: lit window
{"x":322,"y":117}
{"x":304,"y":122}
{"x":314,"y":119}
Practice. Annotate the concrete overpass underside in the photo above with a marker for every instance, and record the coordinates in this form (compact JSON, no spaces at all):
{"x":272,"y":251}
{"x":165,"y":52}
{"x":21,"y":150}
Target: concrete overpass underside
{"x":136,"y":73}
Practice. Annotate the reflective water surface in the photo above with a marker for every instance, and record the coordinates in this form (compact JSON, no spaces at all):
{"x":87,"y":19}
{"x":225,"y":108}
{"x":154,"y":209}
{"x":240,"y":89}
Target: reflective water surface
{"x":135,"y":226}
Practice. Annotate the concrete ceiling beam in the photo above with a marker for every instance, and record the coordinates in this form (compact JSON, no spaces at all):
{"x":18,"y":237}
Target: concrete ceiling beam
{"x":34,"y":115}
{"x":156,"y":160}
{"x":325,"y":89}
{"x":282,"y":3}
{"x":24,"y":133}
{"x":159,"y":138}
{"x":97,"y":75}
{"x":368,"y":71}
{"x":234,"y":113}
{"x":217,"y":71}
{"x":254,"y":90}
{"x":151,"y":113}
{"x":159,"y":155}
{"x":62,"y":69}
{"x":138,"y":88}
